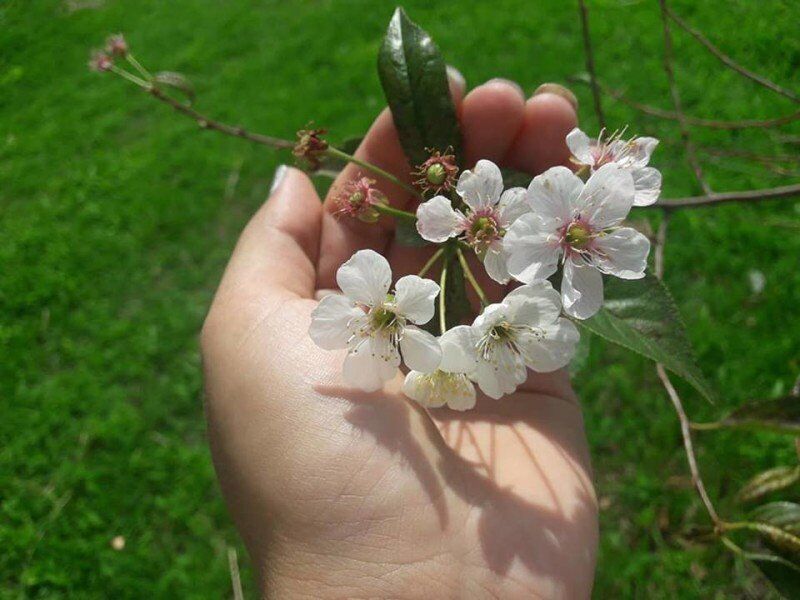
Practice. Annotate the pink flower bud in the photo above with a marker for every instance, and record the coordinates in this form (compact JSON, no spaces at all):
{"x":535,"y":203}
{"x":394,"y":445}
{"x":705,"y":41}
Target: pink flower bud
{"x":116,"y":45}
{"x":100,"y":61}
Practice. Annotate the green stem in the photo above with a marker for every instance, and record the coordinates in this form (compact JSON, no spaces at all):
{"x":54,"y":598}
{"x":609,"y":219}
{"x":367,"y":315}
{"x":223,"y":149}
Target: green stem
{"x":335,"y":152}
{"x":707,"y":426}
{"x":471,"y":278}
{"x":137,"y":65}
{"x":442,"y":301}
{"x":395,"y":212}
{"x":431,"y":261}
{"x":130,"y":77}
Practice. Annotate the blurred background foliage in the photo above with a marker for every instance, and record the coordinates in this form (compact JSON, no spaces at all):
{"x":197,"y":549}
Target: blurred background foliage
{"x":116,"y":218}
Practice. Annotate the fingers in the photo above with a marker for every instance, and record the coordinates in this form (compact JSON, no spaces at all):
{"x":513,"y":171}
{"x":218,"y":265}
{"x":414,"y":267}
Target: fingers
{"x":276,"y":255}
{"x":541,"y":140}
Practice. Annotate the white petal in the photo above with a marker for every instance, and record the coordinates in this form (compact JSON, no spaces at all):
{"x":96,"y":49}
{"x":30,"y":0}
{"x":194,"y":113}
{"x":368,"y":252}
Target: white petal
{"x":495,"y":263}
{"x":581,"y":290}
{"x":490,"y":316}
{"x":553,"y":348}
{"x":437,"y":221}
{"x":458,"y":350}
{"x":552,"y":194}
{"x":647,"y":186}
{"x":513,"y":204}
{"x":421,"y":351}
{"x":415,"y":297}
{"x":531,"y":249}
{"x":537,"y":304}
{"x":481,"y":187}
{"x":623,"y":253}
{"x":329,"y":321}
{"x":644,"y":147}
{"x":607,"y":197}
{"x":502,"y":376}
{"x":365,"y":278}
{"x":462,"y":395}
{"x":370,"y":364}
{"x":417,"y":386}
{"x":581,"y":146}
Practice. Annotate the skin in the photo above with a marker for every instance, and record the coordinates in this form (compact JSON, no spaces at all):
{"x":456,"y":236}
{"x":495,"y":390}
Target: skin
{"x":343,"y":494}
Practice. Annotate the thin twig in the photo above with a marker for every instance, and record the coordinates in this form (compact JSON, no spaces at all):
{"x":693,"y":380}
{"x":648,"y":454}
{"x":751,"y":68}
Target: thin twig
{"x":675,"y":398}
{"x":661,"y":113}
{"x":207,"y":123}
{"x":587,"y":49}
{"x":785,"y":191}
{"x":236,"y":580}
{"x":728,"y":61}
{"x":691,"y":154}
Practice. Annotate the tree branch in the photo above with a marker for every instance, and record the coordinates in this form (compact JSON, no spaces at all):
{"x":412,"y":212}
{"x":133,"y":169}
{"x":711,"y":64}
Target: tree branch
{"x":776,"y":193}
{"x":729,"y":62}
{"x":587,"y":48}
{"x":691,"y":154}
{"x":661,"y":113}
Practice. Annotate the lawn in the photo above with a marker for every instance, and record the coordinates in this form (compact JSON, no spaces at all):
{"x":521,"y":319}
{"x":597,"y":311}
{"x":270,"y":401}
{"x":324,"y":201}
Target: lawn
{"x":116,"y":219}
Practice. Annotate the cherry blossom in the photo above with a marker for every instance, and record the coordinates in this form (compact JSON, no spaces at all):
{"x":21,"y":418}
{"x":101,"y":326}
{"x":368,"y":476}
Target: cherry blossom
{"x":525,"y":330}
{"x":488,"y":213}
{"x":449,"y":384}
{"x":579,"y":224}
{"x":373,"y":324}
{"x":632,"y":154}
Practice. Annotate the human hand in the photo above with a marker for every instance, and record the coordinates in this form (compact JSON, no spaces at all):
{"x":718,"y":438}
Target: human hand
{"x":339,"y":493}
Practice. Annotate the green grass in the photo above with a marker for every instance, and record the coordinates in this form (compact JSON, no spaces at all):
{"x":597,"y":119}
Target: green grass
{"x":117,"y":218}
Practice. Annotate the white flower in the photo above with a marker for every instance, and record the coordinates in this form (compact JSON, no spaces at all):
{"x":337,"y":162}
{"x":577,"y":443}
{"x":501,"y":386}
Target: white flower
{"x":580,"y":224}
{"x":525,"y":330}
{"x":449,"y":384}
{"x":490,"y":211}
{"x":373,"y":324}
{"x":633,"y":155}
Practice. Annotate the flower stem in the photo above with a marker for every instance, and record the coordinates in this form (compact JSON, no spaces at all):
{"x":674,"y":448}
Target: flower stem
{"x":138,"y":66}
{"x":129,"y":76}
{"x":336,"y":153}
{"x":471,"y":278}
{"x":442,"y":301}
{"x":431,"y":261}
{"x":395,"y":212}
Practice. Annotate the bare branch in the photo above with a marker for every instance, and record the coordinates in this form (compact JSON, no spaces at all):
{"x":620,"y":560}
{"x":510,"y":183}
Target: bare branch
{"x":691,"y":154}
{"x":207,"y":123}
{"x":729,"y":62}
{"x":587,"y":48}
{"x":686,"y":432}
{"x":661,"y":113}
{"x":786,"y":191}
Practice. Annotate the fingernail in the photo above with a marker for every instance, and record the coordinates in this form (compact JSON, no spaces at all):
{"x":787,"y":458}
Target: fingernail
{"x":277,"y":178}
{"x":513,"y":84}
{"x":455,"y":75}
{"x":558,"y":90}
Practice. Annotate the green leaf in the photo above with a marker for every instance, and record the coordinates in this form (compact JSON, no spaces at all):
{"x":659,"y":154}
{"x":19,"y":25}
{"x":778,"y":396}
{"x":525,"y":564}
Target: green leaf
{"x":781,"y":415}
{"x":455,"y":293}
{"x":785,"y":543}
{"x":768,"y":481}
{"x":414,"y":79}
{"x":176,"y":81}
{"x":785,"y":515}
{"x":406,"y":234}
{"x":781,"y":573}
{"x":641,"y":316}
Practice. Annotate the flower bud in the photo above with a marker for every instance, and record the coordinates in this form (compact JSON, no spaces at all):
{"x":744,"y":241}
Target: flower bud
{"x":116,"y":45}
{"x":100,"y":61}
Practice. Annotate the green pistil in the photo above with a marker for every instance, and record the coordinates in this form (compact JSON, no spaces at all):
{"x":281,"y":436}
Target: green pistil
{"x":578,"y":236}
{"x":436,"y":174}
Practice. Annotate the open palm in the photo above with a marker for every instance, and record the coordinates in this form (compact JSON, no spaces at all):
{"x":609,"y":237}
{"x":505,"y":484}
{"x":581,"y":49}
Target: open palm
{"x":340,"y":493}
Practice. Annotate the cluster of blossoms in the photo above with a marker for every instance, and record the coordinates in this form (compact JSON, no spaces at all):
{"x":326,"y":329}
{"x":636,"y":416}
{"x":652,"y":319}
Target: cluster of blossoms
{"x":103,"y":60}
{"x":562,"y":220}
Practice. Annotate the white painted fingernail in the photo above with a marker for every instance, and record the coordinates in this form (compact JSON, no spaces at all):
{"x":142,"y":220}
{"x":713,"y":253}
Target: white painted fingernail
{"x":277,"y":178}
{"x":457,"y":78}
